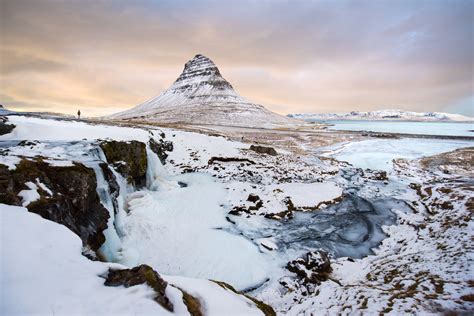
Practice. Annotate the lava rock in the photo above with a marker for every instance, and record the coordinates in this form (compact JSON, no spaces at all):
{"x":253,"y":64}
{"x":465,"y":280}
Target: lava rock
{"x":314,"y":267}
{"x":128,"y":158}
{"x":253,"y":198}
{"x":160,"y":148}
{"x":74,"y":202}
{"x":264,"y":150}
{"x":142,"y":274}
{"x":229,"y":159}
{"x":4,"y":127}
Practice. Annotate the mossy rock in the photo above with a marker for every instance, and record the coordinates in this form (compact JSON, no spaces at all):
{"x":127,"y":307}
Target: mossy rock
{"x":74,"y":201}
{"x":142,"y":274}
{"x":266,"y":309}
{"x":128,"y":158}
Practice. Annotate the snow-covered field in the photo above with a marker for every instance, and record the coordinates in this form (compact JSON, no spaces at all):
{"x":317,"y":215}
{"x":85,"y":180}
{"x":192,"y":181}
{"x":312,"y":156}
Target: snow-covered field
{"x":421,"y":128}
{"x":378,"y":154}
{"x":220,"y":211}
{"x":386,"y":115}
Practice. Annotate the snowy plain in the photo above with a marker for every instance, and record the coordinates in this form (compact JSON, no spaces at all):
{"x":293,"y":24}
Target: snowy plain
{"x":378,"y":154}
{"x":421,"y":128}
{"x":185,"y":232}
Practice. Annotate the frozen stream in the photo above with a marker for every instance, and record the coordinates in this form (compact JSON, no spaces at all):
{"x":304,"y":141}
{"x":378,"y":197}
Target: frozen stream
{"x":178,"y":224}
{"x":377,"y":154}
{"x":180,"y":228}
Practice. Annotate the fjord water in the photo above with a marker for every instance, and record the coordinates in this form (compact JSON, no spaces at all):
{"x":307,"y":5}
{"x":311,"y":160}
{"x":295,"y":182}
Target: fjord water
{"x":422,"y":128}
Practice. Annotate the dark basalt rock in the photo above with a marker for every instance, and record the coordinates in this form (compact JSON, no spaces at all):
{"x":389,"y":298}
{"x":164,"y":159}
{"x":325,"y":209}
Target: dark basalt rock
{"x":253,"y":198}
{"x":160,"y":148}
{"x":377,"y":175}
{"x":229,"y":159}
{"x":314,"y":267}
{"x":142,"y":274}
{"x":4,"y":127}
{"x":74,"y":202}
{"x":264,"y":150}
{"x":128,"y":158}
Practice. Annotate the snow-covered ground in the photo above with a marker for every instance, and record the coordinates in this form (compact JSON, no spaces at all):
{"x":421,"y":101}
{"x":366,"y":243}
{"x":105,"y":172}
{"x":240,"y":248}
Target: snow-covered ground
{"x":385,"y":115}
{"x":44,"y":273}
{"x":378,"y":154}
{"x":420,"y":128}
{"x":218,"y":210}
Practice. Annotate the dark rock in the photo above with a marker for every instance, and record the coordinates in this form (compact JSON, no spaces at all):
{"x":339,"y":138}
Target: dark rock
{"x":314,"y":267}
{"x":289,"y":204}
{"x":160,"y":148}
{"x":377,"y":175}
{"x":192,"y":304}
{"x":253,"y":198}
{"x":229,"y":159}
{"x":4,"y":127}
{"x":182,"y":184}
{"x":238,"y":210}
{"x":264,"y":150}
{"x":128,"y":158}
{"x":74,"y":202}
{"x":27,"y":143}
{"x":142,"y":274}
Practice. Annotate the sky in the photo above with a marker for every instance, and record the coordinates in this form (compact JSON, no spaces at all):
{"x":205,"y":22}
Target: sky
{"x":290,"y":56}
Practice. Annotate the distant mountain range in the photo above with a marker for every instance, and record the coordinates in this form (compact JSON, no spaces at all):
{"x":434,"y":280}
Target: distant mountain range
{"x":201,"y":95}
{"x":385,"y":115}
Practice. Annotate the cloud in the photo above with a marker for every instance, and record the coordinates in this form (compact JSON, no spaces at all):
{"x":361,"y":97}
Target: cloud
{"x":298,"y":56}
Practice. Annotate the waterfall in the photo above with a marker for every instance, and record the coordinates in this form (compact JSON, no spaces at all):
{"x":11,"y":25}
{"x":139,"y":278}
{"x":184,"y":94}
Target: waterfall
{"x":111,"y":248}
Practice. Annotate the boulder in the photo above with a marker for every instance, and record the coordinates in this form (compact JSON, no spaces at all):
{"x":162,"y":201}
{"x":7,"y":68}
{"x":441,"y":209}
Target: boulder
{"x":128,"y":158}
{"x":142,"y":274}
{"x":72,"y":201}
{"x":314,"y":267}
{"x":264,"y":150}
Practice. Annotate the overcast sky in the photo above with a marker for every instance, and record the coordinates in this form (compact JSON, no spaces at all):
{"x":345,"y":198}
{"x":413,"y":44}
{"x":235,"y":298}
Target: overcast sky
{"x":291,"y":56}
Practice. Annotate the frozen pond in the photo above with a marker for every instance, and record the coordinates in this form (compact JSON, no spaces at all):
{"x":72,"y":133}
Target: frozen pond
{"x":424,"y":128}
{"x":379,"y":153}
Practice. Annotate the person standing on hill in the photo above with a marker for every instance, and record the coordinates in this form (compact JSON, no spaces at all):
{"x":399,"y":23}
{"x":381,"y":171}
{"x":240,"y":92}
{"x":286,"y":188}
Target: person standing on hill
{"x":79,"y":114}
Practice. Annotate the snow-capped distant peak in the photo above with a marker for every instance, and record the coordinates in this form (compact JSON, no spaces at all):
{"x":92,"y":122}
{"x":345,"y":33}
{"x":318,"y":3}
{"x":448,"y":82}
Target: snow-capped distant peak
{"x":200,"y":71}
{"x":384,"y":115}
{"x":201,"y":95}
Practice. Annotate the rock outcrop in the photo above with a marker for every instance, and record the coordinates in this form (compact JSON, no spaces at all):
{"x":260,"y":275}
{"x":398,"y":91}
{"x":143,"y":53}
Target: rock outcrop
{"x":128,"y":158}
{"x":264,"y":150}
{"x":67,"y":195}
{"x":142,"y":274}
{"x":5,"y":128}
{"x":160,"y":148}
{"x":314,"y":267}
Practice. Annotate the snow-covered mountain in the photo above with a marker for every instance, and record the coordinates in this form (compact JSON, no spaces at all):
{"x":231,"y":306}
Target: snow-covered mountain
{"x":4,"y":111}
{"x":201,"y":95}
{"x":385,"y":115}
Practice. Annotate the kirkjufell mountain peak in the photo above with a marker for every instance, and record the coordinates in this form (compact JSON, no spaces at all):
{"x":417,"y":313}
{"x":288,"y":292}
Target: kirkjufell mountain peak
{"x":201,"y":95}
